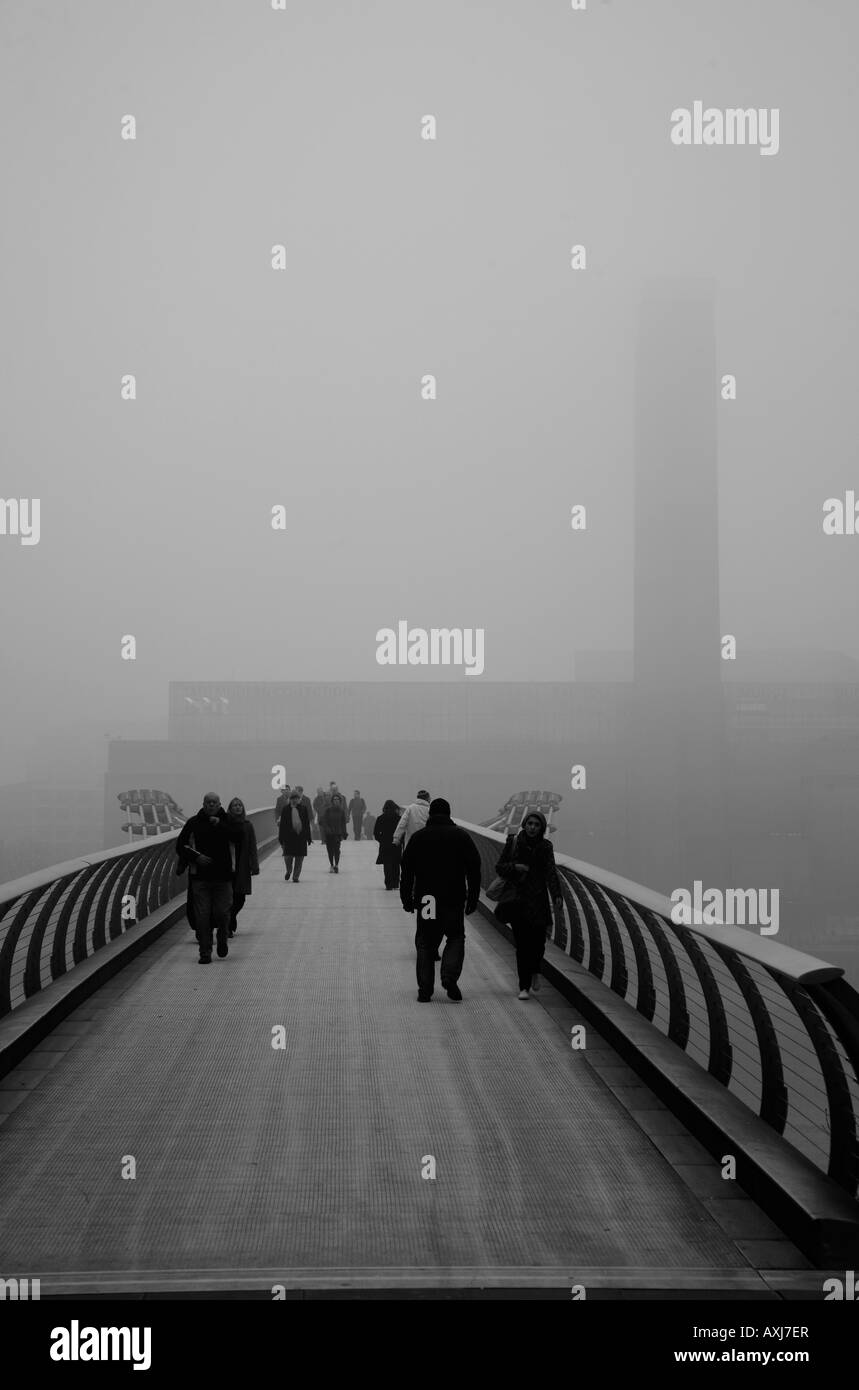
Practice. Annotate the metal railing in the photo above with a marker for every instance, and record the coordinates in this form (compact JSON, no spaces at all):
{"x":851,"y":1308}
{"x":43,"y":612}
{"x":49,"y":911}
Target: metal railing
{"x":52,"y":920}
{"x":778,"y":1028}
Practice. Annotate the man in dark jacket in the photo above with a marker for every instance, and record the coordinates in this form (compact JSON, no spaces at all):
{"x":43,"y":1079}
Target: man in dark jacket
{"x":280,"y":805}
{"x":357,"y":807}
{"x":208,"y":844}
{"x":295,"y":835}
{"x":306,"y":803}
{"x":440,"y":880}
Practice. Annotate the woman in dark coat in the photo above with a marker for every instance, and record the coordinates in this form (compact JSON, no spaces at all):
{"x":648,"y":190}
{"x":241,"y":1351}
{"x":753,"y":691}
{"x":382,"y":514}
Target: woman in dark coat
{"x":389,"y":853}
{"x":295,"y":835}
{"x":333,"y":823}
{"x":528,"y":864}
{"x":247,"y":860}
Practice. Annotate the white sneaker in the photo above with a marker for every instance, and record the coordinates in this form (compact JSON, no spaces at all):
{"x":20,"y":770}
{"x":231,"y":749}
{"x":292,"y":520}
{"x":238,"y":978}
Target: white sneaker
{"x":535,"y":984}
{"x":523,"y":994}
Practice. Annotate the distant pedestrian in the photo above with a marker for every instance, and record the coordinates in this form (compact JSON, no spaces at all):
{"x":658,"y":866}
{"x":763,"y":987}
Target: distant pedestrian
{"x":357,"y":807}
{"x":295,"y":836}
{"x":414,"y":818}
{"x":440,"y":881}
{"x":308,"y":806}
{"x":334,"y":828}
{"x":389,"y":853}
{"x":319,"y":804}
{"x":247,"y":860}
{"x":369,"y":825}
{"x":280,"y":804}
{"x":528,"y":864}
{"x":208,"y":843}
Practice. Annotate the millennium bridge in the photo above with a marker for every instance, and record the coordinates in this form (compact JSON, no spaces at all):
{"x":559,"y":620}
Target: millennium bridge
{"x":674,"y":1115}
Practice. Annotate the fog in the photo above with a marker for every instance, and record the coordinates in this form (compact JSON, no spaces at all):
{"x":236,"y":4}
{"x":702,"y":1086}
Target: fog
{"x":406,"y":256}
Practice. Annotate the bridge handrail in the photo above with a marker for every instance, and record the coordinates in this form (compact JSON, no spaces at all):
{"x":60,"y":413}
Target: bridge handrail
{"x":796,"y":965}
{"x":777,"y":1027}
{"x":53,"y":919}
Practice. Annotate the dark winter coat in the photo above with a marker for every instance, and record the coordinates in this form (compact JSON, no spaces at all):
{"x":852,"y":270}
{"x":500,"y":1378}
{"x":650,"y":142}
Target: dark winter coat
{"x":383,"y":830}
{"x":441,"y":860}
{"x":357,"y":807}
{"x":247,"y":860}
{"x":292,"y":843}
{"x":219,"y":841}
{"x":533,"y":889}
{"x":333,"y":821}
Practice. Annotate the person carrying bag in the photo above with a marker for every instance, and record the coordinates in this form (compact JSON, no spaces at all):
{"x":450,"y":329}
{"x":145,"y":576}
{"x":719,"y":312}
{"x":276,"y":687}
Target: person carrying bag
{"x":528,"y":877}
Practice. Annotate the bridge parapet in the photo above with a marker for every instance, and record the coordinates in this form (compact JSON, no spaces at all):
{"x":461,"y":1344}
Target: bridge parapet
{"x":777,"y":1027}
{"x":53,"y":920}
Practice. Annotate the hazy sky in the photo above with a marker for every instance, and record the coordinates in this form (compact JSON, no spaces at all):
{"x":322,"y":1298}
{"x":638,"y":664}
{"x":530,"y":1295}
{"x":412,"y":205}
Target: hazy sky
{"x":404,"y":257}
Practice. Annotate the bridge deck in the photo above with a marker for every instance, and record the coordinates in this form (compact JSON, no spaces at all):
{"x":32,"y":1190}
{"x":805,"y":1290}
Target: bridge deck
{"x":303,"y":1167}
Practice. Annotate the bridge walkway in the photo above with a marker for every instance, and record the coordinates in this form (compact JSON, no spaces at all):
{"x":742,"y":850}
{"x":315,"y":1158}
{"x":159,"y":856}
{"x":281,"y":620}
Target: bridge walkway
{"x":302,"y":1166}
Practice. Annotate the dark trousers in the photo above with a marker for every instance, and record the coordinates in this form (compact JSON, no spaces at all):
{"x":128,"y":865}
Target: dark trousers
{"x":297,"y":860}
{"x":356,"y":827}
{"x":530,"y":938}
{"x":332,"y":844}
{"x":449,"y":923}
{"x":236,"y":907}
{"x":212,"y":903}
{"x":391,"y":864}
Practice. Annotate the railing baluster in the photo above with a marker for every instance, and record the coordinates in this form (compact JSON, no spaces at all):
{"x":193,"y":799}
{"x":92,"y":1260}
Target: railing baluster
{"x":807,"y":1092}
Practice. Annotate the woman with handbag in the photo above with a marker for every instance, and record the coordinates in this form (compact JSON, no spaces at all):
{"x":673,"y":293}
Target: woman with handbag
{"x":527,"y":869}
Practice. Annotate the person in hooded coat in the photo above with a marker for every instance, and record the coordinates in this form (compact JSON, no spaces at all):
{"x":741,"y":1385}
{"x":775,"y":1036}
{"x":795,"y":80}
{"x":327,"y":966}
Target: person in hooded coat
{"x":389,"y":853}
{"x":247,"y":859}
{"x":527,"y":863}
